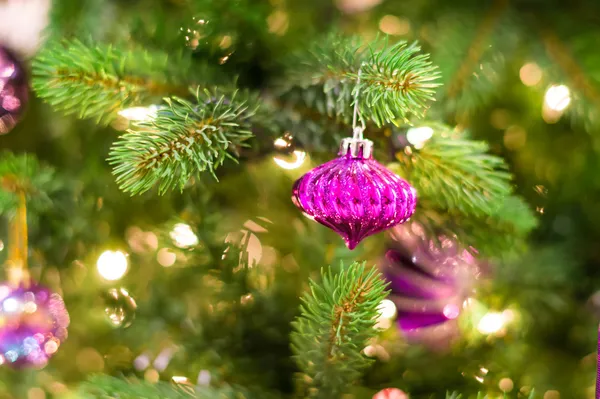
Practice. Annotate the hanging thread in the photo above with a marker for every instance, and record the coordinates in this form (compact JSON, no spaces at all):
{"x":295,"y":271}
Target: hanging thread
{"x":17,"y":260}
{"x":357,"y":130}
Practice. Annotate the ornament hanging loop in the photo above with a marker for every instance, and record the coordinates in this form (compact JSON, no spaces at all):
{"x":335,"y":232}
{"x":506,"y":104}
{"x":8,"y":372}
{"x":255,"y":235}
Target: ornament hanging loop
{"x":18,"y":275}
{"x":357,"y":130}
{"x":357,"y":146}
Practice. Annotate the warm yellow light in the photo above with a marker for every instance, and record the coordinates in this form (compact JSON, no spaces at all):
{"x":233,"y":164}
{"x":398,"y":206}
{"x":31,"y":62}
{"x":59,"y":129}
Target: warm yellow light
{"x":299,"y":157}
{"x":491,"y":323}
{"x":418,"y":136}
{"x":178,"y":379}
{"x":558,"y":97}
{"x":530,"y":74}
{"x":166,"y":258}
{"x":139,"y":113}
{"x":112,"y":265}
{"x":393,"y":25}
{"x":183,"y":236}
{"x":387,"y":309}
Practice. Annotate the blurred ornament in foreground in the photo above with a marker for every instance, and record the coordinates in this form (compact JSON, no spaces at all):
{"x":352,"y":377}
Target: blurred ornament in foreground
{"x":22,"y":23}
{"x":390,"y":393}
{"x":33,"y":324}
{"x":119,"y":307}
{"x":354,"y":195}
{"x":13,"y":90}
{"x":288,"y":152}
{"x":429,"y":282}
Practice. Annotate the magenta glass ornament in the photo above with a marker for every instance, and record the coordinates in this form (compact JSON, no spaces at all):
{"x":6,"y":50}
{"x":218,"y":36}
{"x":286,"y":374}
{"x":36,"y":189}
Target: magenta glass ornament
{"x":13,"y":90}
{"x":429,"y":281}
{"x":33,"y":324}
{"x":354,"y":195}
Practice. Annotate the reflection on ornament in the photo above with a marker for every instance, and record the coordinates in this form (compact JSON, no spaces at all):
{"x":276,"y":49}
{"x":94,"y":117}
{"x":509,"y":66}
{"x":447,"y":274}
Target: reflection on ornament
{"x":430,"y":280}
{"x":119,"y":307}
{"x":288,"y":155}
{"x":13,"y":90}
{"x":183,"y":236}
{"x":112,"y":265}
{"x":354,"y":195}
{"x":418,"y":136}
{"x":33,"y":324}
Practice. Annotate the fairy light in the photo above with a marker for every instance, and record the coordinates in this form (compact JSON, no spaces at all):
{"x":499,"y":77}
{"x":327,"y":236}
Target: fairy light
{"x":112,"y":265}
{"x":491,"y":323}
{"x":183,"y":236}
{"x":558,"y":98}
{"x":530,"y":74}
{"x":387,"y":309}
{"x":178,"y":379}
{"x":418,"y":136}
{"x":139,"y":113}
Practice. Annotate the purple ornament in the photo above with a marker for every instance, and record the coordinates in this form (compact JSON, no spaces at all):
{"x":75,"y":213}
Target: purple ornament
{"x":429,"y":282}
{"x":33,"y":324}
{"x":354,"y":195}
{"x":13,"y":90}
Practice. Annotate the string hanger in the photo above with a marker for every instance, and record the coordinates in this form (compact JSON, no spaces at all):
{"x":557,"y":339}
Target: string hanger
{"x":357,"y":130}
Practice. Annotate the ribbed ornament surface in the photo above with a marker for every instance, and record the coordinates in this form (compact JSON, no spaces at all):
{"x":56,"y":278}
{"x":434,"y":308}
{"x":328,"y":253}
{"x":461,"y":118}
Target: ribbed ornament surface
{"x":354,"y":196}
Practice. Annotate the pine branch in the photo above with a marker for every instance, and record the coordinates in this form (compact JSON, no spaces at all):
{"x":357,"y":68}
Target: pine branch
{"x":395,"y":79}
{"x":106,"y":387}
{"x":456,"y":174}
{"x":24,"y":173}
{"x":337,"y":319}
{"x":98,"y":81}
{"x":184,"y":139}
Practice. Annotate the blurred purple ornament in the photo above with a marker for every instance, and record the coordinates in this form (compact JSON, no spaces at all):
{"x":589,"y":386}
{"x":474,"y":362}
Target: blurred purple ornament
{"x":33,"y":324}
{"x":430,"y":283}
{"x":354,"y":195}
{"x":13,"y":90}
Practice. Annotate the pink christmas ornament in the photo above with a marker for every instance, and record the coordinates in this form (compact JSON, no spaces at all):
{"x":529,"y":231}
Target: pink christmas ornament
{"x":390,"y":393}
{"x":354,"y":195}
{"x":13,"y":90}
{"x":33,"y":324}
{"x":429,"y":283}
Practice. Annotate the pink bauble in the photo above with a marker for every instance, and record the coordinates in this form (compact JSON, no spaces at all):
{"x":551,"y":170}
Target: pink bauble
{"x":390,"y":393}
{"x":13,"y":90}
{"x":33,"y":324}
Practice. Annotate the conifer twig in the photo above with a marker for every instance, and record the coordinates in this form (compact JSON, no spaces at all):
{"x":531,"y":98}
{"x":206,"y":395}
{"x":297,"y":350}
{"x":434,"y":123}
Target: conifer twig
{"x":337,"y":318}
{"x":184,"y":139}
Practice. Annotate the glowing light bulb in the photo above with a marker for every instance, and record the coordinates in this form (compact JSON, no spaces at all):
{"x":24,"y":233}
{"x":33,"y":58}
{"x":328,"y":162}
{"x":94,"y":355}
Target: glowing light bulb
{"x":387,"y":309}
{"x":530,"y":74}
{"x":112,"y":265}
{"x":491,"y":323}
{"x":139,"y":113}
{"x":183,"y":236}
{"x":558,"y":98}
{"x":10,"y":305}
{"x":418,"y":136}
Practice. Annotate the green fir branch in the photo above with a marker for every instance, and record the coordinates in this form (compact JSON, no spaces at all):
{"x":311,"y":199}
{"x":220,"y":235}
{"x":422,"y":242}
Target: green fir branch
{"x":337,"y":319}
{"x":96,"y":81}
{"x":184,"y":139}
{"x":23,"y":173}
{"x":395,"y":79}
{"x":455,"y":174}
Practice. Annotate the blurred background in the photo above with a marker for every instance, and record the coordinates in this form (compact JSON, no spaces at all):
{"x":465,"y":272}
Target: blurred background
{"x":137,"y":273}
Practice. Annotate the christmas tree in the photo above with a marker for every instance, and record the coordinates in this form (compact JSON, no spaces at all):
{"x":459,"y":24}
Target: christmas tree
{"x":174,"y":173}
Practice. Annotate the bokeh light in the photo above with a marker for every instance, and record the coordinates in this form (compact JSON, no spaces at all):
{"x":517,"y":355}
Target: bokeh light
{"x":183,"y":236}
{"x":491,"y":323}
{"x":418,"y":136}
{"x":112,"y":265}
{"x":558,"y":97}
{"x":530,"y":74}
{"x":393,"y":25}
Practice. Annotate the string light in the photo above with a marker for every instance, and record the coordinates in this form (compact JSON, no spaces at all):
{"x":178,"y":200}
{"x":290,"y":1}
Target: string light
{"x":558,"y":97}
{"x":112,"y":265}
{"x":530,"y":74}
{"x":418,"y":136}
{"x":183,"y":236}
{"x":491,"y":323}
{"x":139,"y":113}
